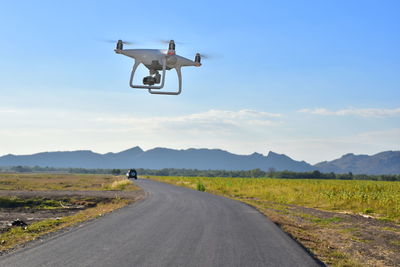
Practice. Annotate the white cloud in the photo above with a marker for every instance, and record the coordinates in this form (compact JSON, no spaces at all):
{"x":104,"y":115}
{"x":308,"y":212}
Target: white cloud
{"x":362,"y":112}
{"x":386,"y":137}
{"x":212,"y":120}
{"x":37,"y":130}
{"x":8,"y":110}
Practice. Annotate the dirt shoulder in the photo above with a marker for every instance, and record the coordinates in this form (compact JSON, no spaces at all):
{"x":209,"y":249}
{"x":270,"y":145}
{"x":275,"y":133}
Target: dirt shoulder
{"x":339,"y":239}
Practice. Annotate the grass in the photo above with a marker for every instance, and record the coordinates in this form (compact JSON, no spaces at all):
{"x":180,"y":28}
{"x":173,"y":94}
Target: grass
{"x":396,"y":243}
{"x":19,"y":235}
{"x":72,"y":182}
{"x":376,"y":198}
{"x":122,"y":184}
{"x":36,"y":203}
{"x":326,"y":220}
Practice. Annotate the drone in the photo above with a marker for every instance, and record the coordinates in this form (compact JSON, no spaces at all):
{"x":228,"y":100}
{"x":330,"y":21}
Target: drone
{"x":157,"y":60}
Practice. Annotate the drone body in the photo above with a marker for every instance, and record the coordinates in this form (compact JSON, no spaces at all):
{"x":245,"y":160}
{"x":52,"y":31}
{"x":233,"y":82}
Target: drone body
{"x":157,"y":60}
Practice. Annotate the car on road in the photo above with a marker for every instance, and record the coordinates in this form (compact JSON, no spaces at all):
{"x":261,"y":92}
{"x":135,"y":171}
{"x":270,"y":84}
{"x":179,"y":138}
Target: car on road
{"x":132,"y":173}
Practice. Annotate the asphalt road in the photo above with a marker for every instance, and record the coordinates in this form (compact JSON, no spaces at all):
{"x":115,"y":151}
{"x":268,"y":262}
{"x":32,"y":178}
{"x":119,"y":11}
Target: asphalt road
{"x":173,"y":226}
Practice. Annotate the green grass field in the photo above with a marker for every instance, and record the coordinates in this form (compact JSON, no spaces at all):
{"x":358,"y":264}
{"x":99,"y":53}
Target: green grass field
{"x":376,"y":198}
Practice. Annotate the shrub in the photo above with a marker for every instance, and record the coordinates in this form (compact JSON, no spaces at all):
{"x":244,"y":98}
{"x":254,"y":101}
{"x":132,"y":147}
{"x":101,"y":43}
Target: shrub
{"x":200,"y":186}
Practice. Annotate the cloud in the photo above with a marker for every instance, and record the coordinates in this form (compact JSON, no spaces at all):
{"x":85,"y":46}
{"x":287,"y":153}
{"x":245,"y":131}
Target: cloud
{"x":385,"y":137}
{"x":8,"y":110}
{"x":241,"y":131}
{"x":362,"y":112}
{"x":222,"y":121}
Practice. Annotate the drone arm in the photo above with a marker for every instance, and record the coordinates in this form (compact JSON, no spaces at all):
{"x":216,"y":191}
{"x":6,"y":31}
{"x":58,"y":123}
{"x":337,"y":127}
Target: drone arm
{"x":179,"y":73}
{"x":137,"y":63}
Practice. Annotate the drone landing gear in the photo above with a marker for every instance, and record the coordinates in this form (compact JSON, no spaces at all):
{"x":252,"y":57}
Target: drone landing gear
{"x":155,"y":78}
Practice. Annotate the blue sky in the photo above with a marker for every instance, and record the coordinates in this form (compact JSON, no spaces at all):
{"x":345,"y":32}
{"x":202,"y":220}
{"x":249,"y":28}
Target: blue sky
{"x":311,"y":79}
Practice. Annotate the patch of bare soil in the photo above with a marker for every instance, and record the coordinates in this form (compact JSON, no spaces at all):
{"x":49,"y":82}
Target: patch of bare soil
{"x":81,"y":201}
{"x":340,"y":239}
{"x":60,"y":194}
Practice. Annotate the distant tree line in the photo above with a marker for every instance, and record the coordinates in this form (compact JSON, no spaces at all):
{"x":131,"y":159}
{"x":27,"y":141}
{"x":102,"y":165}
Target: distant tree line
{"x":255,"y":173}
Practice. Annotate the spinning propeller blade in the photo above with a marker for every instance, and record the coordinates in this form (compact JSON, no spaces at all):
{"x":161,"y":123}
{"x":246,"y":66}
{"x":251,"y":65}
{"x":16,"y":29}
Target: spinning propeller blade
{"x":206,"y":56}
{"x":124,"y":42}
{"x":164,"y":41}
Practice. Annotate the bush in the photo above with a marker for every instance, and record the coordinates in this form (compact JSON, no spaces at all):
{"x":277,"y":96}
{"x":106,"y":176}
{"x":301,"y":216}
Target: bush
{"x":116,"y":171}
{"x":200,"y":186}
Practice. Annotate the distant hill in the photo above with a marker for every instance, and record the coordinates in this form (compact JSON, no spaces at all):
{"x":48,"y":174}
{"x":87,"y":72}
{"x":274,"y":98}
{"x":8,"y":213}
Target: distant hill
{"x":158,"y":158}
{"x":387,"y":162}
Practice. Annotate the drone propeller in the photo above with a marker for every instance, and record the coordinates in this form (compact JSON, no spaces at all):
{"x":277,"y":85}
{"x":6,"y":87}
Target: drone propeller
{"x":164,"y":41}
{"x":207,"y":56}
{"x":123,"y":42}
{"x":120,"y":43}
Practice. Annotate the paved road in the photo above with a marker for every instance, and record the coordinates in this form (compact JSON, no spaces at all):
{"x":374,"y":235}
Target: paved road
{"x":173,"y":226}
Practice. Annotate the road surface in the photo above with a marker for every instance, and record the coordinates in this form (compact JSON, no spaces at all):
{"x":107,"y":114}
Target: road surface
{"x":173,"y":226}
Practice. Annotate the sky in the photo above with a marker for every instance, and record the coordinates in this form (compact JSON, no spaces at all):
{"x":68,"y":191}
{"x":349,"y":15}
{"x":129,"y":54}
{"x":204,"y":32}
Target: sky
{"x":307,"y":78}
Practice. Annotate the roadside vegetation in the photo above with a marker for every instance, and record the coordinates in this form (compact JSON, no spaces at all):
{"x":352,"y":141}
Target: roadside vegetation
{"x":44,"y":203}
{"x":344,"y":223}
{"x":255,"y":173}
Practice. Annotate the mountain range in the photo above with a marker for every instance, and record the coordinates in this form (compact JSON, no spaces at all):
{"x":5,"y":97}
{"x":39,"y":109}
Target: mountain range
{"x":387,"y":162}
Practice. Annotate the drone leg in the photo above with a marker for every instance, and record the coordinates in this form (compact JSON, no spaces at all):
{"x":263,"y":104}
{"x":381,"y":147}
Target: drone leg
{"x":179,"y":73}
{"x":137,"y":63}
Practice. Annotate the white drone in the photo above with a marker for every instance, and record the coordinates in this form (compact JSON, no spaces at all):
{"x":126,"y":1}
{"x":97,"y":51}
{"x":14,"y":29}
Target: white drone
{"x":156,"y":60}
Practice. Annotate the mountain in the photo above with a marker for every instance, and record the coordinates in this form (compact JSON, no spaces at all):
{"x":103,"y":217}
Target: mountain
{"x":158,"y":158}
{"x":387,"y":162}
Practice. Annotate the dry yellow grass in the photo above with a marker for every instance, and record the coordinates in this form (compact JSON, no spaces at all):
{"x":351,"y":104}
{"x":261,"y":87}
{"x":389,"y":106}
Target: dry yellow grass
{"x":37,"y":181}
{"x":123,"y":184}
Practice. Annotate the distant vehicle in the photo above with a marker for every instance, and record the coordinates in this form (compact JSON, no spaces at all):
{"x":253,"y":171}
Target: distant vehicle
{"x":157,"y":60}
{"x":132,"y":173}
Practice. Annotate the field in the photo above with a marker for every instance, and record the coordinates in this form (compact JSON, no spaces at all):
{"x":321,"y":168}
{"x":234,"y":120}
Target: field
{"x":49,"y":202}
{"x":344,"y":223}
{"x":380,"y":199}
{"x":63,"y":182}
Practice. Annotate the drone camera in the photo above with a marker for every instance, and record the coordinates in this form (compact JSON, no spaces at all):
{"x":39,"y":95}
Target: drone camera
{"x":151,"y":80}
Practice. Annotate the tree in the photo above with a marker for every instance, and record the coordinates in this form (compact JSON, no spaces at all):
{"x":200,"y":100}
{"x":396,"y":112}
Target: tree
{"x":116,"y":172}
{"x":255,"y":173}
{"x":271,"y":172}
